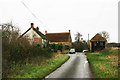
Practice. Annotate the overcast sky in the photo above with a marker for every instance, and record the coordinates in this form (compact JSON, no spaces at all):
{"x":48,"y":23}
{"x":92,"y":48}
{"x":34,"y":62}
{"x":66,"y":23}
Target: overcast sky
{"x":84,"y":16}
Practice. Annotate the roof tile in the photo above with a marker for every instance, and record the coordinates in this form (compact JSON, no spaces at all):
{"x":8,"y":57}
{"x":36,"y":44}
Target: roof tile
{"x":98,"y":37}
{"x":58,"y":37}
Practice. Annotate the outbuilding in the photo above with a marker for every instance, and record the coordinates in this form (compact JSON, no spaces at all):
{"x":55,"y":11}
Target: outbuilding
{"x":97,"y":43}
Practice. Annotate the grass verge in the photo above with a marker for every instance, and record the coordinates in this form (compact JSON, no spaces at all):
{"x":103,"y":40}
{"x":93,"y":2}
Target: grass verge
{"x":104,"y":64}
{"x":38,"y":71}
{"x":65,"y":53}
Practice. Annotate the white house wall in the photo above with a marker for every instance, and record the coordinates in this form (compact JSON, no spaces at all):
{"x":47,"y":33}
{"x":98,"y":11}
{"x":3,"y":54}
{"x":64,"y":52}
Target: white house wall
{"x":44,"y":42}
{"x":28,"y":34}
{"x":36,"y":35}
{"x":31,"y":34}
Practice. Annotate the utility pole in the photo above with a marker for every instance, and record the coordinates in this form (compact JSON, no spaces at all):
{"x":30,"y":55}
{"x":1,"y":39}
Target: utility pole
{"x":88,"y":39}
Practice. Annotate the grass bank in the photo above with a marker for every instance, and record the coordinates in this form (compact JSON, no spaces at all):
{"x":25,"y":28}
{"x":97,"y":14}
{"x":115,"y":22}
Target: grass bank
{"x":104,"y":64}
{"x":38,"y":71}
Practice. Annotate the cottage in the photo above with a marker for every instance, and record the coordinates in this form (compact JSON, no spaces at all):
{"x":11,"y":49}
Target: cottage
{"x":97,"y":43}
{"x":35,"y":36}
{"x":63,"y":38}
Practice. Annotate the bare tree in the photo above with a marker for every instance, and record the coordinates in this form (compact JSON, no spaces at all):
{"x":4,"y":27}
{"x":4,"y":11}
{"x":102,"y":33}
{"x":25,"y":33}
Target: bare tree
{"x":78,"y":37}
{"x":9,"y":31}
{"x":105,"y":35}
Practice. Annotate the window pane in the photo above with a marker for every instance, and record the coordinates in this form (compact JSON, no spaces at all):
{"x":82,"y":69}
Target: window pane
{"x":95,"y":43}
{"x":101,"y":43}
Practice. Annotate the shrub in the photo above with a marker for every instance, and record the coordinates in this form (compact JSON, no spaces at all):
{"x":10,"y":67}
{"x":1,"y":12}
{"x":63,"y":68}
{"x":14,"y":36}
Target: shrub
{"x":48,"y":49}
{"x":60,"y":47}
{"x":80,"y":46}
{"x":67,"y":47}
{"x":52,"y":46}
{"x":56,"y":47}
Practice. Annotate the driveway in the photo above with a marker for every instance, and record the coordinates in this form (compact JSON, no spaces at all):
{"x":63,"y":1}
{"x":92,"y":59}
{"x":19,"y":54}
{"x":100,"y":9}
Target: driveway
{"x":76,"y":67}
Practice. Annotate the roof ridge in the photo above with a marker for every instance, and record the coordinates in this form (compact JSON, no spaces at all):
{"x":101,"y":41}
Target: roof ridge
{"x":40,"y":33}
{"x":58,"y":33}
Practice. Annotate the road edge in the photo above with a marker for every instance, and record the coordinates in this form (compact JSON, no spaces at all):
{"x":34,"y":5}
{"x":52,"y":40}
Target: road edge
{"x":56,"y":68}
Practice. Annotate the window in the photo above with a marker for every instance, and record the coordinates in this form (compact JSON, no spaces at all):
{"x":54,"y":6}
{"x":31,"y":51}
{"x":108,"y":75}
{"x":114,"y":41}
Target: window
{"x":95,"y":44}
{"x":101,"y":43}
{"x":35,"y":39}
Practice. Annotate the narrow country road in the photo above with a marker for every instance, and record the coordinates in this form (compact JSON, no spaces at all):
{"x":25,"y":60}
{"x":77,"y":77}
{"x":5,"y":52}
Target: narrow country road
{"x":76,"y":67}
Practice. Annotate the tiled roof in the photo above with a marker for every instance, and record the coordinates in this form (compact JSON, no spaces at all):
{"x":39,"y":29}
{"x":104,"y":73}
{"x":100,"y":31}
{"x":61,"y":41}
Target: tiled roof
{"x":24,"y":33}
{"x":37,"y":31}
{"x":59,"y":37}
{"x":98,"y":37}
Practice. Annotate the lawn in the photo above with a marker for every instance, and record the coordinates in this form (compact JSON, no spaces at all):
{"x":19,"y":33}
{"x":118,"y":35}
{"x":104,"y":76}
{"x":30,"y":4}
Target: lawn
{"x":38,"y":71}
{"x":104,"y":64}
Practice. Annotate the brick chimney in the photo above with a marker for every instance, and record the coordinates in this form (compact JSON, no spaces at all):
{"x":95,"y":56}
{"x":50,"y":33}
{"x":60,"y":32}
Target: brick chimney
{"x":46,"y":32}
{"x":69,"y":31}
{"x":32,"y":25}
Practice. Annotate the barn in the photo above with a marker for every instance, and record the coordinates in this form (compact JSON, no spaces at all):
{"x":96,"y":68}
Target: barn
{"x":97,"y":43}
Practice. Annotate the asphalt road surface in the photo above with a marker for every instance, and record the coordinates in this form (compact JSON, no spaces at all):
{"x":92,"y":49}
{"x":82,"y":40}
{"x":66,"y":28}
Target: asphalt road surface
{"x":76,"y":67}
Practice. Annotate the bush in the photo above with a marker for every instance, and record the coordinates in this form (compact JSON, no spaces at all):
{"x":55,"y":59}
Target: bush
{"x":67,"y":47}
{"x":80,"y":46}
{"x":48,"y":49}
{"x":56,"y":47}
{"x":60,"y":47}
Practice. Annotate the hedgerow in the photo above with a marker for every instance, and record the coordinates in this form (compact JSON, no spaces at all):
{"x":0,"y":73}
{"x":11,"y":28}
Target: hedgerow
{"x":18,"y":50}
